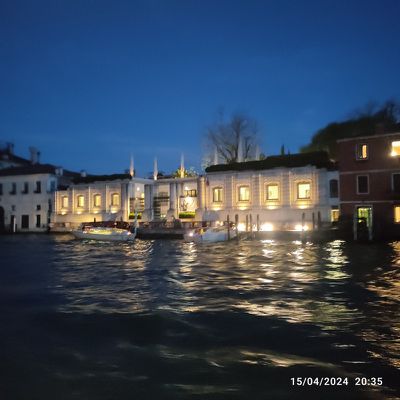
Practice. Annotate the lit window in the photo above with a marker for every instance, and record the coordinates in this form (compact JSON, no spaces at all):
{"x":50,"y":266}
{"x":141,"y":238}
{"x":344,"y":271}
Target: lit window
{"x":190,"y":193}
{"x":304,"y":190}
{"x":115,"y":199}
{"x":362,"y":184}
{"x":334,"y":214}
{"x":395,"y":149}
{"x":217,"y":195}
{"x":244,"y":193}
{"x":96,"y":200}
{"x":81,"y":201}
{"x":397,"y":214}
{"x":362,"y":151}
{"x":272,"y":191}
{"x":64,"y":202}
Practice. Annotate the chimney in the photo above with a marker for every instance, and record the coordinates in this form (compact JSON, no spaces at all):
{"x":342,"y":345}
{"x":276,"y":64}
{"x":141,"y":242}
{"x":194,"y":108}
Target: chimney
{"x":240,"y":157}
{"x":10,"y":148}
{"x":155,"y":169}
{"x":182,"y":167}
{"x":35,"y":154}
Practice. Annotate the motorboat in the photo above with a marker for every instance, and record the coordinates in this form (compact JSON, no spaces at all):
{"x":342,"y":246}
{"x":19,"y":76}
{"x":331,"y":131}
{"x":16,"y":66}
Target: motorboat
{"x":214,"y":234}
{"x":106,"y":231}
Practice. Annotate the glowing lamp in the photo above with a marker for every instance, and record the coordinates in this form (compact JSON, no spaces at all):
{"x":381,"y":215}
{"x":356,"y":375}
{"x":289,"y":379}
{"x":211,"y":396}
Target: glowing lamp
{"x":241,"y":226}
{"x":267,"y":227}
{"x":300,"y":227}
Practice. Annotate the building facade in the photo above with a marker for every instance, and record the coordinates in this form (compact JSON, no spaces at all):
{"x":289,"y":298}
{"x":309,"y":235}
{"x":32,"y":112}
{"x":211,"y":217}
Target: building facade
{"x":278,"y":193}
{"x":27,"y":196}
{"x":98,"y":198}
{"x":369,"y":169}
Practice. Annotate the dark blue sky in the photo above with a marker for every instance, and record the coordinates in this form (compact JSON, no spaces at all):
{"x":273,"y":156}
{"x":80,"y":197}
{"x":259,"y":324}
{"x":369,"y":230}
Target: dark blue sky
{"x":89,"y":82}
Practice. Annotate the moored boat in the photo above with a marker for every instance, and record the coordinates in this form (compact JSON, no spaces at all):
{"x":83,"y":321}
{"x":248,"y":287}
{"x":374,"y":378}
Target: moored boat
{"x":106,"y":231}
{"x":215,"y":234}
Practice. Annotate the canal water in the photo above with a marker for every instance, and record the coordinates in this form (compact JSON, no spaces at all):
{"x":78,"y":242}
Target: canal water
{"x":173,"y":320}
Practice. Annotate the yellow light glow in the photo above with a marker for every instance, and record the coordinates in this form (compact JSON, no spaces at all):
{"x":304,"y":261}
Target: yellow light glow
{"x":267,"y":227}
{"x":63,"y":212}
{"x":395,"y":148}
{"x":241,"y":226}
{"x":300,"y":227}
{"x":397,"y":214}
{"x":303,"y":206}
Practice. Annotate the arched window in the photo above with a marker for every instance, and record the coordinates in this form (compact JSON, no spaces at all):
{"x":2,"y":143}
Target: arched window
{"x":217,"y":195}
{"x":64,"y":201}
{"x":244,"y":193}
{"x":80,"y":201}
{"x":96,"y":200}
{"x":115,"y":199}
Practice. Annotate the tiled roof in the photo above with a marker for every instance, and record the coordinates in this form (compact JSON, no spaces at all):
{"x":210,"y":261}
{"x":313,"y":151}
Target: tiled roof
{"x":32,"y":169}
{"x":319,"y":159}
{"x":5,"y":155}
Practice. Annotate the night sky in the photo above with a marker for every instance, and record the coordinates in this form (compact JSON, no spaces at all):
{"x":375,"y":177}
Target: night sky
{"x":90,"y":82}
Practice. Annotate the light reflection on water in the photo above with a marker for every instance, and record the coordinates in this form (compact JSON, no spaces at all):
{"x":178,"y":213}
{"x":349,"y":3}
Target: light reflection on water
{"x":345,"y":295}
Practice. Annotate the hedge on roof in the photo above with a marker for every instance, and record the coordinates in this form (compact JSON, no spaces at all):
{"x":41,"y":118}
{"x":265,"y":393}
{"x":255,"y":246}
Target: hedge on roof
{"x":95,"y":178}
{"x":187,"y":214}
{"x":320,"y":159}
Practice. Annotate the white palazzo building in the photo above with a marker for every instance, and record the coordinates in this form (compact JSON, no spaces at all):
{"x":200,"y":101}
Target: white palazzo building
{"x":279,"y":192}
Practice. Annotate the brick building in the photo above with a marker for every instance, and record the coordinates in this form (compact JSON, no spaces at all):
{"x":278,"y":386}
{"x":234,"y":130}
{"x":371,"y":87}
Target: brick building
{"x":369,"y":171}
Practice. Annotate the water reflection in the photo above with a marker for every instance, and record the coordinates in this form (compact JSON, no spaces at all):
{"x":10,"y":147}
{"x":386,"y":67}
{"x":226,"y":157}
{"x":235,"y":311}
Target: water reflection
{"x":299,"y":283}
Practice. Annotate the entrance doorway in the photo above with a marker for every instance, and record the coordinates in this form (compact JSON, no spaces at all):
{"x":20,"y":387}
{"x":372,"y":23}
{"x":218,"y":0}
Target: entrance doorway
{"x":364,"y":222}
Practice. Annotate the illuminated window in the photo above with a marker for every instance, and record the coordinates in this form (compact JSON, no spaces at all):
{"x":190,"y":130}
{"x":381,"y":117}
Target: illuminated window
{"x":244,"y":193}
{"x":362,"y":184}
{"x":397,"y":214}
{"x":303,"y":190}
{"x":362,"y":151}
{"x":190,"y":193}
{"x":64,"y":202}
{"x":272,"y":192}
{"x":81,"y":201}
{"x":115,"y":199}
{"x":335,"y":214}
{"x":395,"y":149}
{"x":217,"y":195}
{"x":96,"y":200}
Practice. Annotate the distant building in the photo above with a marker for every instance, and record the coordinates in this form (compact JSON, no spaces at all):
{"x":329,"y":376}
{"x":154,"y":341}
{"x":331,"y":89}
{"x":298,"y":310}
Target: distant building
{"x":98,"y":198}
{"x":8,"y":159}
{"x":27,"y":195}
{"x":369,"y":169}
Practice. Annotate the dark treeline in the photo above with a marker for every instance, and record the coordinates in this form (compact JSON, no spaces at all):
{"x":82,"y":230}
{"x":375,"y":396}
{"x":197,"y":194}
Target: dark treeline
{"x":369,"y":121}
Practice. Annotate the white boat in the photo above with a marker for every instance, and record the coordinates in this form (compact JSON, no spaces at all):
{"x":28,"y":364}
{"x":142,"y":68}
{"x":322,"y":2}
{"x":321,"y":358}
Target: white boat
{"x":114,"y":232}
{"x":216,"y":234}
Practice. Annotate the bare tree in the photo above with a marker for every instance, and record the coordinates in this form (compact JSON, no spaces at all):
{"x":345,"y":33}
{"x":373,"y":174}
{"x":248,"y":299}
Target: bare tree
{"x":228,"y":136}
